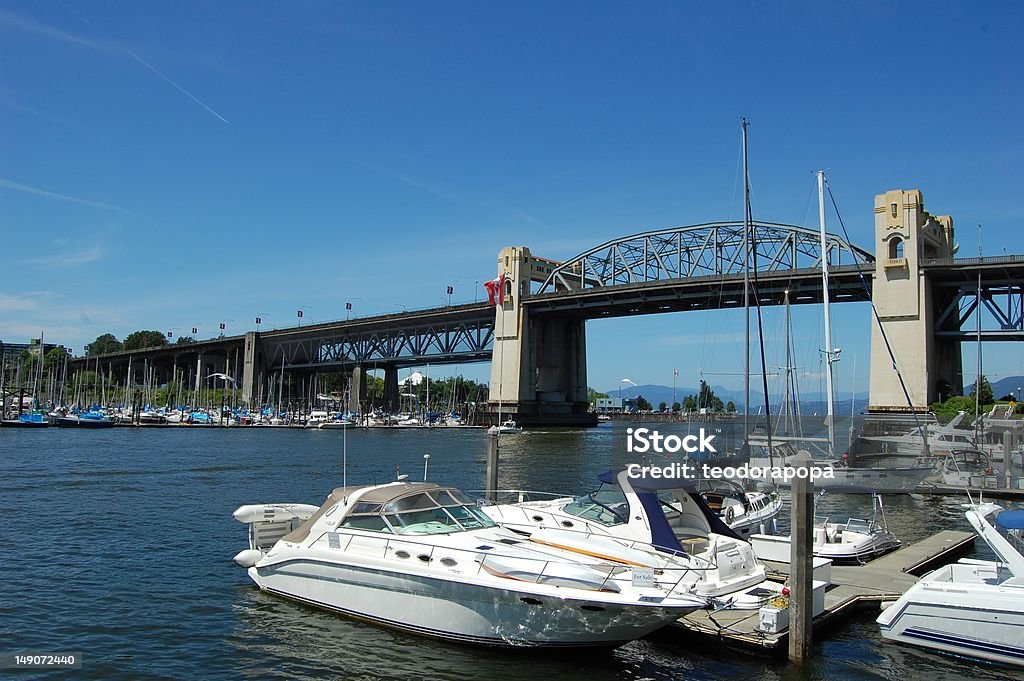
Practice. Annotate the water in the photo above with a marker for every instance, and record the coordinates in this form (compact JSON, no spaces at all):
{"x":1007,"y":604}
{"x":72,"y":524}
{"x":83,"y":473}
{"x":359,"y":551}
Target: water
{"x":118,"y":545}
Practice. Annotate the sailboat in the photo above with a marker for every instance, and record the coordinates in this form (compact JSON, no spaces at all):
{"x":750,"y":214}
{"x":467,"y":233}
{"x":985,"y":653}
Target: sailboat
{"x":843,"y":477}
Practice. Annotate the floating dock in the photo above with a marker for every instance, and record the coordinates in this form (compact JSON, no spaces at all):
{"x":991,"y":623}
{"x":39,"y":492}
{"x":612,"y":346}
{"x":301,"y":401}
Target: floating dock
{"x":853,"y":587}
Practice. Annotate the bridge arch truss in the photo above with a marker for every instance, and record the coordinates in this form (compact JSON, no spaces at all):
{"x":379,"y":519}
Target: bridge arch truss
{"x":710,"y":249}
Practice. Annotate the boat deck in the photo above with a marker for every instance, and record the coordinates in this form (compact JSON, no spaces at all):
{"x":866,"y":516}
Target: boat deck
{"x":853,"y":587}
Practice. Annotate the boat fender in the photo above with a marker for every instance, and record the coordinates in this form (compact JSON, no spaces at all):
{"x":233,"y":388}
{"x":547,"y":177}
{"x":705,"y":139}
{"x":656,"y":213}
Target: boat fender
{"x":730,"y":515}
{"x":247,"y":558}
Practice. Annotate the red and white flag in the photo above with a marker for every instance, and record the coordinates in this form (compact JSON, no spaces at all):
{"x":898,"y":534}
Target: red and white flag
{"x":495,"y":290}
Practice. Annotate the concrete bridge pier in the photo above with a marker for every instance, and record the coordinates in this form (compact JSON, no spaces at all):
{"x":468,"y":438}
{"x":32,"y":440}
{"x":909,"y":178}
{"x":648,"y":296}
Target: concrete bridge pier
{"x":357,"y":389}
{"x":249,"y":372}
{"x":539,"y":362}
{"x":391,"y":388}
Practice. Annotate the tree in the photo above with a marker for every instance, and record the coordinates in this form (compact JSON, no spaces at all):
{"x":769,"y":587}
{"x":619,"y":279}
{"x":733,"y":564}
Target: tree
{"x":707,"y":398}
{"x":690,"y":403}
{"x":642,"y":404}
{"x":138,"y":340}
{"x":676,"y":407}
{"x":185,"y":340}
{"x":104,"y":345}
{"x":985,"y":397}
{"x":663,"y":406}
{"x":593,"y":396}
{"x":54,"y":358}
{"x":730,"y":407}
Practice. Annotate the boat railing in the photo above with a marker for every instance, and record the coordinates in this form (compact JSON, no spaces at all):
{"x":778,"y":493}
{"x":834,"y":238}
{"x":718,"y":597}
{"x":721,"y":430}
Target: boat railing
{"x":609,"y":571}
{"x":515,"y":496}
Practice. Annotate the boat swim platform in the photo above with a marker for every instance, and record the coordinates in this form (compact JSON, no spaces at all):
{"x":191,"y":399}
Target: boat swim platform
{"x":853,"y":588}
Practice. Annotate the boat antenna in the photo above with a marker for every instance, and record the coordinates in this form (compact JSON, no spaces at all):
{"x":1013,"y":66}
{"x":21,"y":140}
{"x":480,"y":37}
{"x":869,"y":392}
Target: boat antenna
{"x":978,"y":425}
{"x":426,"y":462}
{"x":830,"y":354}
{"x":344,"y":454}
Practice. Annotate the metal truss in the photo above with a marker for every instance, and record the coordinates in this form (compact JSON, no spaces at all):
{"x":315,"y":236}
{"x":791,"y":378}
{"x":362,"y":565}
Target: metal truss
{"x":438,"y":342}
{"x":701,"y":250}
{"x":1002,"y":311}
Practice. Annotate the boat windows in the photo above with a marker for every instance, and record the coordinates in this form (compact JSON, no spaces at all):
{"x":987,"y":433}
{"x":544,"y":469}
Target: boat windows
{"x":436,"y":512}
{"x":606,"y":506}
{"x":374,"y":523}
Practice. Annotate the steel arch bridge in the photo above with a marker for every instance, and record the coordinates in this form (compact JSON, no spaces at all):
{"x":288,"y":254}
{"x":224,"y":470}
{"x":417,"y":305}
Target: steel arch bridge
{"x":709,"y":249}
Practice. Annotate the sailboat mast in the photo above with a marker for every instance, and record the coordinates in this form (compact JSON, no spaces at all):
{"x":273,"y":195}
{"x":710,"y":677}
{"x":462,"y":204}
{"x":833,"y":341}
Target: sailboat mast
{"x":978,"y":424}
{"x":830,"y":419}
{"x":746,"y":286}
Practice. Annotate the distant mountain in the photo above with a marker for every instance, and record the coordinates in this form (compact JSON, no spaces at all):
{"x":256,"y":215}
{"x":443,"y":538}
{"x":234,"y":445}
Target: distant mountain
{"x":1004,"y":386}
{"x":813,"y":403}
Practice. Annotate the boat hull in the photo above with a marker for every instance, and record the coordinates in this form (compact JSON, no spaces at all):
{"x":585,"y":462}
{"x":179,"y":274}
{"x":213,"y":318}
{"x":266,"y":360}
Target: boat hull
{"x":460,"y":611}
{"x":971,"y":621}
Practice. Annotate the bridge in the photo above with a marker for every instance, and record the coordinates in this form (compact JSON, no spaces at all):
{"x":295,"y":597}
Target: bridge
{"x":536,"y":339}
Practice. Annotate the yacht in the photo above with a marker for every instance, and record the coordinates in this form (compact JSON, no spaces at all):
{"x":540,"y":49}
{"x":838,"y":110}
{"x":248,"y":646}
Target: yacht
{"x":856,"y":539}
{"x":968,"y":468}
{"x":508,"y":426}
{"x":85,"y":419}
{"x":744,"y":512}
{"x":676,"y":522}
{"x":972,"y":607}
{"x":425,"y":559}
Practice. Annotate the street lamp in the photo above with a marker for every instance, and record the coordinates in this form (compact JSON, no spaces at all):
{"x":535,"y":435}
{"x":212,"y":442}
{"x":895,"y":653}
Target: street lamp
{"x":298,"y":313}
{"x":259,"y":319}
{"x":1018,"y":393}
{"x":622,"y":407}
{"x":476,"y":290}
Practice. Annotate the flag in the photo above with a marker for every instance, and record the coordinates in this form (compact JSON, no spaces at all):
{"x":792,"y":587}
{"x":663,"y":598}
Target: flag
{"x":495,"y":290}
{"x":675,"y":372}
{"x":300,"y":314}
{"x":348,"y":306}
{"x":168,"y":334}
{"x":194,"y":330}
{"x":451,"y":290}
{"x":259,"y":320}
{"x":222,"y":326}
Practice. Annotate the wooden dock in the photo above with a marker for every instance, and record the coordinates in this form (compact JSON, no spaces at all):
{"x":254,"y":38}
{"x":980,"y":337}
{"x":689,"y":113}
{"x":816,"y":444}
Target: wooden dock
{"x":853,"y":587}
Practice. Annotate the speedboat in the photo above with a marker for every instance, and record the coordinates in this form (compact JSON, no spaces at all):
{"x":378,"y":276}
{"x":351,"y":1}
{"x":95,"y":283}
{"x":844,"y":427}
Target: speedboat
{"x":425,"y":559}
{"x":968,"y":468}
{"x":30,"y":420}
{"x":744,"y":512}
{"x":855,"y":540}
{"x":508,"y":426}
{"x":971,"y":607}
{"x":659,"y":513}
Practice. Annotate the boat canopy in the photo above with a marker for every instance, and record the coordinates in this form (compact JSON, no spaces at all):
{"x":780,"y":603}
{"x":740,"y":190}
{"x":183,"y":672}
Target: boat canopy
{"x":1011,"y":520}
{"x":414,"y":508}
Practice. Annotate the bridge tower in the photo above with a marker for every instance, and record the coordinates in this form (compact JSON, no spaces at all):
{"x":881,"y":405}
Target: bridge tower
{"x":539,"y":361}
{"x":906,"y":234}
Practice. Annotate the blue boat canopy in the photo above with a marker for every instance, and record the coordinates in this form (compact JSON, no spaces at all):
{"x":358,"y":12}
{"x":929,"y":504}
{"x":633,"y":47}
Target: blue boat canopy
{"x":1011,"y":520}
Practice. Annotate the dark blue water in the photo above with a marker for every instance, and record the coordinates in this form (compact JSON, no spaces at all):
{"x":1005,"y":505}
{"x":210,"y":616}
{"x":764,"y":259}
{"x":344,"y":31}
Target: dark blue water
{"x":117,"y":544}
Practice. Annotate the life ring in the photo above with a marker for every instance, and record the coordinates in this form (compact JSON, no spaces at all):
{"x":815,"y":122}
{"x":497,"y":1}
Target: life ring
{"x":730,"y":515}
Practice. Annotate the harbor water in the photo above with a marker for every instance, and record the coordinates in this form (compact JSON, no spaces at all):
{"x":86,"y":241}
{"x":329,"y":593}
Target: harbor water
{"x":118,"y":546}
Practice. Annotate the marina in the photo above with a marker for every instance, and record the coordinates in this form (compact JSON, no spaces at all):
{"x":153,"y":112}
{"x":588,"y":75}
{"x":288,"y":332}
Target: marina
{"x":213,"y":623}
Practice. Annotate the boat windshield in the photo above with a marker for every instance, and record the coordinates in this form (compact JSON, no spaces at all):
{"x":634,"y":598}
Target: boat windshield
{"x":607,"y":506}
{"x":440,"y":511}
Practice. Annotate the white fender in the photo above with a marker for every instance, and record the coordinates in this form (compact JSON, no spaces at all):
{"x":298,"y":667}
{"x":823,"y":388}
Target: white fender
{"x":247,"y":558}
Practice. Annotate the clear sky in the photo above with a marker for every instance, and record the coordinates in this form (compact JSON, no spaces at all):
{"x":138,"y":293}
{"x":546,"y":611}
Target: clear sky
{"x":171,"y":165}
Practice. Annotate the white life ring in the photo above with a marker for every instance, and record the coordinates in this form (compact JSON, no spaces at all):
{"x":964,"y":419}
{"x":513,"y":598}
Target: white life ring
{"x":730,"y":515}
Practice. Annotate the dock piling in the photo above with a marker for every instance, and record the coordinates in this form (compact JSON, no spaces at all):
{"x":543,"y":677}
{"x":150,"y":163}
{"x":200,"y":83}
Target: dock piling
{"x":492,"y":467}
{"x":801,"y":586}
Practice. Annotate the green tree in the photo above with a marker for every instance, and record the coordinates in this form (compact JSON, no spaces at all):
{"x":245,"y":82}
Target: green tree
{"x":104,"y":345}
{"x":185,"y":340}
{"x":138,"y":340}
{"x":593,"y":396}
{"x":54,"y":358}
{"x":642,"y":404}
{"x":730,"y":407}
{"x":985,"y":397}
{"x":663,"y":406}
{"x":676,"y":407}
{"x":690,"y":403}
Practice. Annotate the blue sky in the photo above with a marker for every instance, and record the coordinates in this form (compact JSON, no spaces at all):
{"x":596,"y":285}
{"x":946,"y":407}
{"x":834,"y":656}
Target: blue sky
{"x":170,"y":165}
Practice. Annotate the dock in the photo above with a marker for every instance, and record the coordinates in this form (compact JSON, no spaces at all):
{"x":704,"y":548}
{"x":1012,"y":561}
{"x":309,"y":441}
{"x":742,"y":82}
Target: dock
{"x":853,"y":587}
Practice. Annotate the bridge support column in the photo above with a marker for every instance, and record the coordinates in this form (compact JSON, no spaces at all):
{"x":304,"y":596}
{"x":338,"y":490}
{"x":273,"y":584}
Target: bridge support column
{"x":391,"y":388}
{"x":906,"y":303}
{"x":199,"y":372}
{"x":539,"y":363}
{"x":357,"y":389}
{"x":249,"y":368}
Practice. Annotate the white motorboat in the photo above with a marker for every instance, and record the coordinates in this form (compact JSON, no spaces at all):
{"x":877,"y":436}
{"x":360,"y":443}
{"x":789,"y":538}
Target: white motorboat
{"x":855,"y":540}
{"x":676,"y":522}
{"x":744,"y":512}
{"x":508,"y":426}
{"x":425,"y":559}
{"x":969,"y":468}
{"x":972,"y":607}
